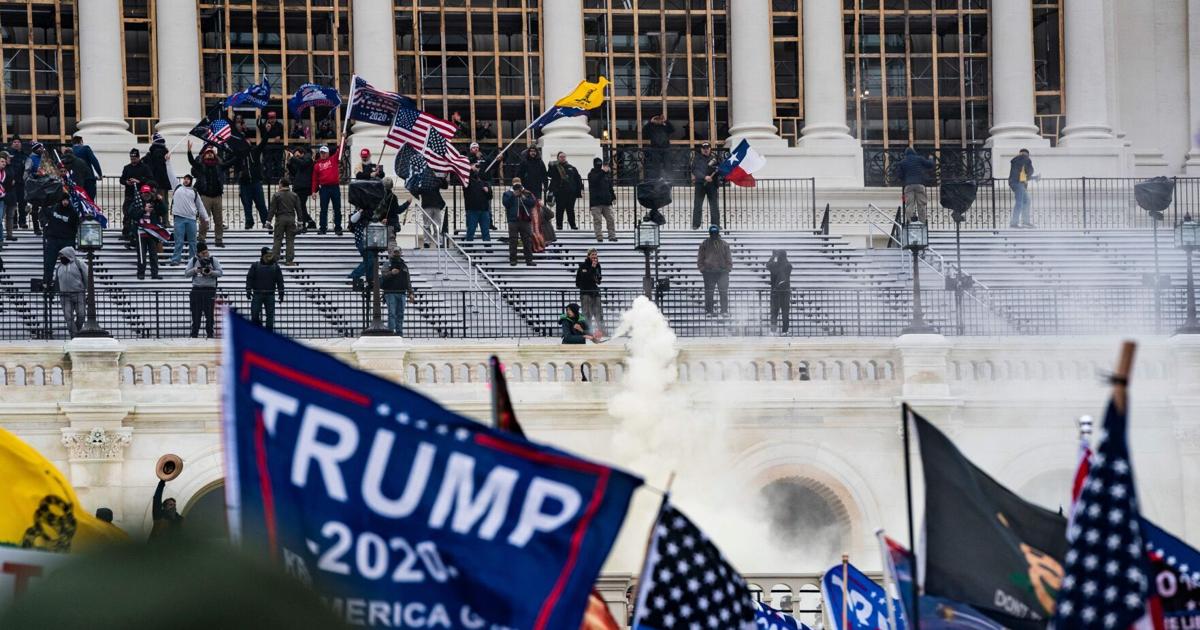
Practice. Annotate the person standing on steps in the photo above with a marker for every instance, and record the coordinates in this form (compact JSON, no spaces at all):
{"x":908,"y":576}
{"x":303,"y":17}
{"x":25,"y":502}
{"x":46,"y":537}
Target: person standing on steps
{"x":1020,"y":173}
{"x":15,"y":189}
{"x":92,"y":171}
{"x":300,"y":172}
{"x":70,"y":279}
{"x":587,"y":279}
{"x":326,"y":180}
{"x":913,"y":172}
{"x":781,"y":289}
{"x":715,"y":260}
{"x":156,"y":159}
{"x":154,"y":211}
{"x":706,"y":185}
{"x":519,"y":206}
{"x":477,"y":199}
{"x":208,"y":179}
{"x":433,"y":206}
{"x":189,"y":213}
{"x":284,"y":211}
{"x":263,"y":280}
{"x":270,"y":137}
{"x":567,"y":186}
{"x":133,"y":176}
{"x":204,"y":270}
{"x":657,"y":132}
{"x":250,"y":187}
{"x":533,"y":172}
{"x":601,"y":196}
{"x":396,"y":284}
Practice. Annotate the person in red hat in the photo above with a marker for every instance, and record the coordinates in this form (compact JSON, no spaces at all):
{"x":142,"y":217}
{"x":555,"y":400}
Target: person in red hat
{"x":153,"y":210}
{"x":367,"y":169}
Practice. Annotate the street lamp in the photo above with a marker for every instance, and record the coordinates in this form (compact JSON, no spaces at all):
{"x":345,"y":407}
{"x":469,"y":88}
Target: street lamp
{"x":91,"y":240}
{"x":916,"y":238}
{"x":1187,"y":238}
{"x":376,"y":242}
{"x":1154,"y":196}
{"x":648,"y":241}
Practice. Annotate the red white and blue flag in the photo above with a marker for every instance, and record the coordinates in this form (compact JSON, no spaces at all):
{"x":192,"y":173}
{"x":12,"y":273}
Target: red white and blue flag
{"x":443,"y":157}
{"x":84,"y":205}
{"x":412,"y":126}
{"x":372,"y":105}
{"x":740,"y":166}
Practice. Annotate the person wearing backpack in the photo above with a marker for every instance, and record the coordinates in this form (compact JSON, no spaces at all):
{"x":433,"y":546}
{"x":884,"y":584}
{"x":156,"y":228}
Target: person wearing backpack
{"x":188,"y":210}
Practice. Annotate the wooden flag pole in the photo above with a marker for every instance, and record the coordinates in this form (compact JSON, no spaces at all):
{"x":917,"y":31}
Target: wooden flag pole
{"x":845,"y":592}
{"x":1120,"y":378}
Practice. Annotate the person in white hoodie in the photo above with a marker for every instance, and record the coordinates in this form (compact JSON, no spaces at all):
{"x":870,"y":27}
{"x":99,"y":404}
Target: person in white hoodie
{"x":189,"y":212}
{"x":70,"y":278}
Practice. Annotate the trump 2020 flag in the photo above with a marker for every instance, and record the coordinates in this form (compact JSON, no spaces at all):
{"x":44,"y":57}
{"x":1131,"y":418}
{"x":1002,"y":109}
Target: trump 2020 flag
{"x":742,"y":163}
{"x":254,"y":96}
{"x":398,"y":511}
{"x":1175,"y":579}
{"x":866,"y":607}
{"x":313,"y":95}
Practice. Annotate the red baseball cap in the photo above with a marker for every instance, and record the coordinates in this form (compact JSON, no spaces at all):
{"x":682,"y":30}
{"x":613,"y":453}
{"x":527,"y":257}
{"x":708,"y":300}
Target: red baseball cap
{"x":146,"y":188}
{"x":365,"y":153}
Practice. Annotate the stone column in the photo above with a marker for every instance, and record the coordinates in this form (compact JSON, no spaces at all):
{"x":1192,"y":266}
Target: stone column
{"x":824,"y":76}
{"x":1192,"y":168}
{"x":1087,"y":79}
{"x":102,"y":102}
{"x":374,"y":38}
{"x":1013,"y":124}
{"x":751,"y":89}
{"x":180,"y":105}
{"x":563,"y":68}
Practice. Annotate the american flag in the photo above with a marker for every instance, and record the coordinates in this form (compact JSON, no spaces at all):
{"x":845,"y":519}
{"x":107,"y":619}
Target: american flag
{"x":443,"y":157}
{"x":372,"y":105}
{"x":1106,"y":580}
{"x":219,"y":130}
{"x":411,"y":125}
{"x":686,"y":583}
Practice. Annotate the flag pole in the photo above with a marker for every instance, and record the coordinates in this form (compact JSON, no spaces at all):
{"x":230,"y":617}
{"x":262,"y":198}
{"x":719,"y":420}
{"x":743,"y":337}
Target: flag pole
{"x":845,"y":592}
{"x":346,"y":118}
{"x":905,"y":413}
{"x":889,"y":578}
{"x":642,"y":581}
{"x":1120,"y":378}
{"x":494,"y":365}
{"x":514,"y":140}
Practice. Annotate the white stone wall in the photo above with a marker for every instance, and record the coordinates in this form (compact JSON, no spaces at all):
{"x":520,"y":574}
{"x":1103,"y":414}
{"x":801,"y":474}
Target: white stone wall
{"x":742,"y":414}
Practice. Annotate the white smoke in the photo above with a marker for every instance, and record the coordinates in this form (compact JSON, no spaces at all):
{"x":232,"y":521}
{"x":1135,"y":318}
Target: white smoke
{"x":668,"y":427}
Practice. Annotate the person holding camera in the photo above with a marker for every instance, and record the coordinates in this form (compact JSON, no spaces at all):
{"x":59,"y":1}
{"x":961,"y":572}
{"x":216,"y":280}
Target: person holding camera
{"x":781,"y":288}
{"x":204,"y":270}
{"x":707,"y":184}
{"x":519,"y":207}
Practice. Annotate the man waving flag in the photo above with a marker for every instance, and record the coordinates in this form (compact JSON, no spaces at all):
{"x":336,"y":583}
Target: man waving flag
{"x":741,"y":165}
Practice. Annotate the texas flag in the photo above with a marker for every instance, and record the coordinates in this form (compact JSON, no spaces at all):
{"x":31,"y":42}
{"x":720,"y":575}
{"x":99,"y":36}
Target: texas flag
{"x":741,"y":165}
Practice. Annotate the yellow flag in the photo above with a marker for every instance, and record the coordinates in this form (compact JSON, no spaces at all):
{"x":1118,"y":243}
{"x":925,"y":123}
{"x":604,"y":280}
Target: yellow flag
{"x":587,"y":96}
{"x":39,"y":509}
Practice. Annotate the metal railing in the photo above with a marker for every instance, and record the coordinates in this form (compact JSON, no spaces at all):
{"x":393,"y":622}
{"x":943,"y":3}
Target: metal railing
{"x":326,"y":313}
{"x":951,"y":164}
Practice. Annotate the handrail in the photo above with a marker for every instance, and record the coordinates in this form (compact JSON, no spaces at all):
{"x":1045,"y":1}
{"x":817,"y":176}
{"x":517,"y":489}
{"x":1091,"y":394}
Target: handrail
{"x":471,"y":268}
{"x":937,"y":255}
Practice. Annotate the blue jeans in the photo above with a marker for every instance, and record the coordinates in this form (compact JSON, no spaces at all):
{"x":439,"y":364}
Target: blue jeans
{"x":364,"y":266}
{"x":395,"y":316}
{"x":1020,"y":211}
{"x":331,"y":194}
{"x":481,"y":219}
{"x":3,"y":217}
{"x":252,"y":197}
{"x":185,"y":230}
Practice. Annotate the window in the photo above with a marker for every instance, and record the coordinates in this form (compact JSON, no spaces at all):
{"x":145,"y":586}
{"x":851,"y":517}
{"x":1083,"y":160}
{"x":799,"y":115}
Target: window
{"x":39,"y":92}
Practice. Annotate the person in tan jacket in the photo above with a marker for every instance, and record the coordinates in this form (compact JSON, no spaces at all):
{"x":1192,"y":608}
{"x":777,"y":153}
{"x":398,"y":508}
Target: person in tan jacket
{"x":284,"y":211}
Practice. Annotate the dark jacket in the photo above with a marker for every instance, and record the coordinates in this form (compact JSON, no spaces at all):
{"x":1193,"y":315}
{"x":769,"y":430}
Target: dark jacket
{"x":913,"y":170}
{"x":273,"y":135}
{"x":714,"y":256}
{"x":399,"y":282}
{"x":703,"y":167}
{"x":587,"y":278}
{"x":658,"y":134}
{"x":510,"y":202}
{"x":389,"y":209}
{"x":16,"y":168}
{"x":264,"y":277}
{"x":139,"y":172}
{"x":533,"y":173}
{"x":781,"y":274}
{"x":600,"y":188}
{"x":569,"y":334}
{"x":210,"y":178}
{"x":165,"y":527}
{"x":86,"y":155}
{"x":431,"y":197}
{"x":156,"y":159}
{"x":300,"y":172}
{"x":157,"y":215}
{"x":59,"y":221}
{"x":565,"y":182}
{"x":249,"y":166}
{"x":477,"y":196}
{"x":1014,"y":169}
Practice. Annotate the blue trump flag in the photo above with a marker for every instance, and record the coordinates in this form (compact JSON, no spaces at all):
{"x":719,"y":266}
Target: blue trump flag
{"x":313,"y":95}
{"x":254,"y":96}
{"x":867,"y":609}
{"x":398,"y":511}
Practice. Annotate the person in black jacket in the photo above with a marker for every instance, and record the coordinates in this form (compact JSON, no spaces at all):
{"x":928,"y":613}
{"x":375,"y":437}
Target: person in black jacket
{"x":250,"y":186}
{"x":587,"y":279}
{"x":270,"y":138}
{"x":92,"y":171}
{"x":396,"y":284}
{"x":167,"y":522}
{"x":601,"y":196}
{"x":657,"y":133}
{"x":299,"y":168}
{"x":567,"y":187}
{"x":151,"y":207}
{"x":574,"y":326}
{"x":913,"y":172}
{"x":477,"y":198}
{"x":707,"y":185}
{"x":133,"y":175}
{"x":781,"y":288}
{"x":61,"y":222}
{"x":263,"y":280}
{"x":533,"y":172}
{"x":434,"y":209}
{"x":14,"y":197}
{"x":208,"y":174}
{"x":1020,"y":172}
{"x":156,"y":159}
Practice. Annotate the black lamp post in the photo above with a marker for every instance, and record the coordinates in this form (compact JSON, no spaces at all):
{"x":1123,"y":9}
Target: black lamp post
{"x":1187,"y":238}
{"x":1154,"y":196}
{"x":376,"y":243}
{"x":915,"y":239}
{"x":91,"y":240}
{"x":648,"y":241}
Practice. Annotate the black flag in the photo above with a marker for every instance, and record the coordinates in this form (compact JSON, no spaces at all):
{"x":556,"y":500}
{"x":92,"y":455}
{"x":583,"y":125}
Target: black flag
{"x":503,"y":414}
{"x":985,"y":546}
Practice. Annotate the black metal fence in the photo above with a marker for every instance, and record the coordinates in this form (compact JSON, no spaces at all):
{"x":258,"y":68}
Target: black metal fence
{"x":313,"y":313}
{"x":951,"y":164}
